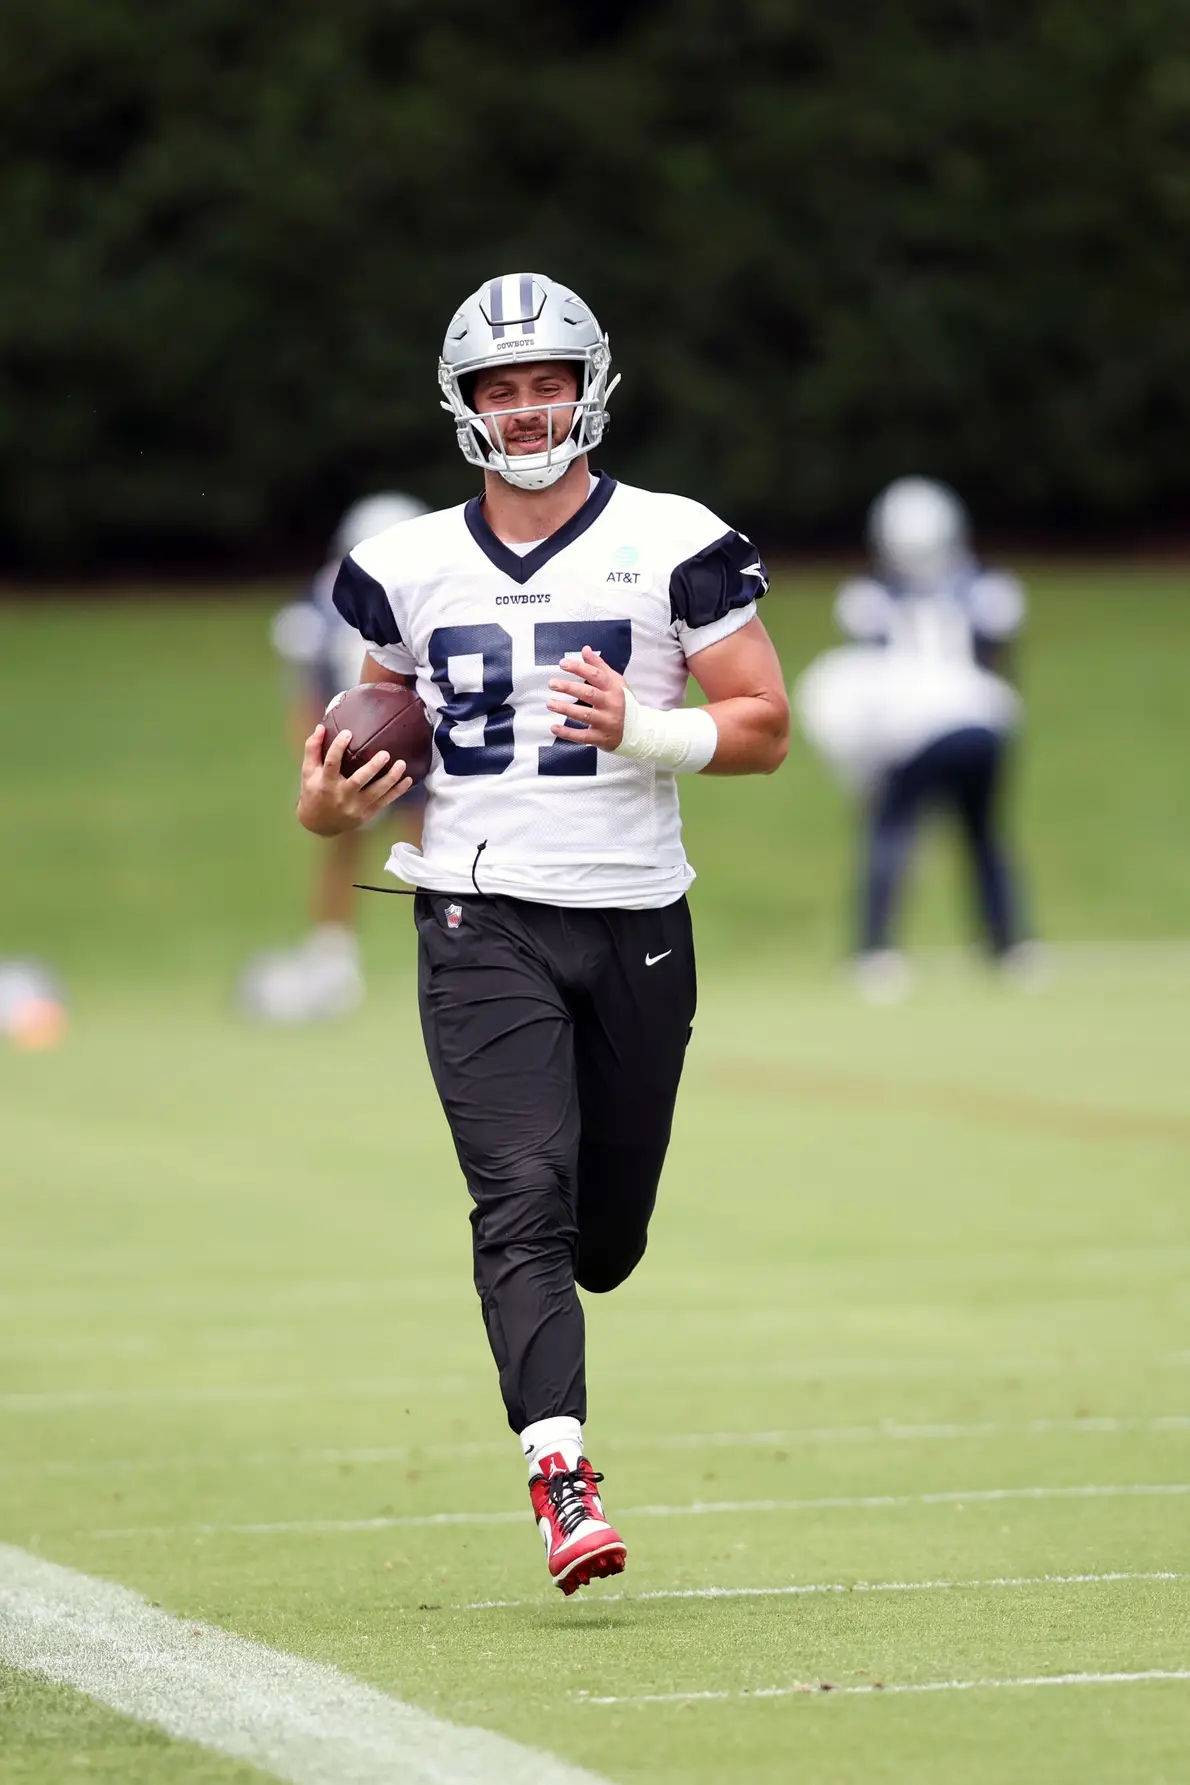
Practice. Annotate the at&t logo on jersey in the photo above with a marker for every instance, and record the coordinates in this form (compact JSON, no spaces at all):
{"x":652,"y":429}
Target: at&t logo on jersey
{"x":623,"y":561}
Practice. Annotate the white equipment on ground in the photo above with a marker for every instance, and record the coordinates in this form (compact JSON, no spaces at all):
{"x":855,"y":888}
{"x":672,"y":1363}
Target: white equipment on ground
{"x":32,"y":1005}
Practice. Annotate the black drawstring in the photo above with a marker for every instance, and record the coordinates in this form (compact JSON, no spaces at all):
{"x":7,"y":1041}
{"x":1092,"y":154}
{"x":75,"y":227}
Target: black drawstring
{"x":410,"y":892}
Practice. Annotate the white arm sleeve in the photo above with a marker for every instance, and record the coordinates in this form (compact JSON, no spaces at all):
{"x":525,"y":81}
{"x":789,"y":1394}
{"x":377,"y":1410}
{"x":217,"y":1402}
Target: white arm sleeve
{"x":696,"y":638}
{"x":398,"y":658}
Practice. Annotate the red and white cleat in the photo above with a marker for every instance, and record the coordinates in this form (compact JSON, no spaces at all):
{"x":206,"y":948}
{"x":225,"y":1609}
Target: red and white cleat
{"x":580,"y":1545}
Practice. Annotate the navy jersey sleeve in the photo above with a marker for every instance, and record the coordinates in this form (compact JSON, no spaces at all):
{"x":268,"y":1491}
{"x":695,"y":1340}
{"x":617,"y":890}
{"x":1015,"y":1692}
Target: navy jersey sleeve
{"x":724,"y":575}
{"x":364,"y":605}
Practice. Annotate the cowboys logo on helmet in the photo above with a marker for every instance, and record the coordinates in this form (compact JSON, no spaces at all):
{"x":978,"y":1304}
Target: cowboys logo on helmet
{"x":525,"y":317}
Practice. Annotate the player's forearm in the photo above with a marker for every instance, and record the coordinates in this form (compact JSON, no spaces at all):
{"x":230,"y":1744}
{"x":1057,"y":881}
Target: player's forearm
{"x":745,"y":693}
{"x":753,"y":734}
{"x":325,"y":823}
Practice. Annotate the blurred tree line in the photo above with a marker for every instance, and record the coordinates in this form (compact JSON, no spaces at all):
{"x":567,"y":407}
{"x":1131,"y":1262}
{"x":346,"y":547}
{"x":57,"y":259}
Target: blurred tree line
{"x":830,"y":242}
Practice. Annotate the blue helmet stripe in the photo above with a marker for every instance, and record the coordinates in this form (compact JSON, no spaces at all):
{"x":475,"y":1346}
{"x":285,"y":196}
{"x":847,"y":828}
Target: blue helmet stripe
{"x":496,"y":306}
{"x":528,"y":322}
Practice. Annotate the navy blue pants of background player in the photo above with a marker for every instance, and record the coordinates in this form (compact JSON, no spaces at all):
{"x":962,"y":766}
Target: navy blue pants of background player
{"x":556,"y":1039}
{"x":961,"y":773}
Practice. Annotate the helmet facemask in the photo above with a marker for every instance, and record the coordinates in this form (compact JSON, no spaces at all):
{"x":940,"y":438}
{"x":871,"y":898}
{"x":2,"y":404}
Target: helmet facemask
{"x":481,"y":437}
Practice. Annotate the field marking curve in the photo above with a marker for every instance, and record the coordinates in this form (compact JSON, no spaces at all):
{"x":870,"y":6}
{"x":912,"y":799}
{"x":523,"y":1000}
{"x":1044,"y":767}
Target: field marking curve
{"x":696,"y":1509}
{"x":883,"y":1689}
{"x":302,"y":1721}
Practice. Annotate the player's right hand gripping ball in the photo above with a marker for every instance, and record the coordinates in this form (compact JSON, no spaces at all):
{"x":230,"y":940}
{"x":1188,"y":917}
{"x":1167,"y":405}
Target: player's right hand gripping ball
{"x":382,"y":716}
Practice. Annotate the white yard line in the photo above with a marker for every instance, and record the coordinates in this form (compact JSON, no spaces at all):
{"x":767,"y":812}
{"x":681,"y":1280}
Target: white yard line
{"x":842,"y":1587}
{"x":885,"y":1431}
{"x":315,"y":1526}
{"x":302,"y":1721}
{"x":955,"y":1496}
{"x":696,"y":1509}
{"x":891,"y":1429}
{"x":880,"y":1689}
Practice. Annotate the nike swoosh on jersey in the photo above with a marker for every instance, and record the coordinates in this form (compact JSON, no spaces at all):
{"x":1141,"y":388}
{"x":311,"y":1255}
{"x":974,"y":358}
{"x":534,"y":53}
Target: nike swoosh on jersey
{"x":651,"y":960}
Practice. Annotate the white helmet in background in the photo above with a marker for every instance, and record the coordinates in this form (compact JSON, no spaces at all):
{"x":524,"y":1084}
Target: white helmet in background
{"x":525,"y":318}
{"x":918,"y":534}
{"x":372,"y":515}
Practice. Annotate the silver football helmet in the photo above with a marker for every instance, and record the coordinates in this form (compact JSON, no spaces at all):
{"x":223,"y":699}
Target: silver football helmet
{"x":372,"y":515}
{"x":918,"y":534}
{"x":525,"y":317}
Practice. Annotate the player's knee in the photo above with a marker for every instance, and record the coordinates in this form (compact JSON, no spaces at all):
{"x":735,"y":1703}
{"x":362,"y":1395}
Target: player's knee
{"x":535,"y":1211}
{"x":617,"y":1191}
{"x":600,"y":1270}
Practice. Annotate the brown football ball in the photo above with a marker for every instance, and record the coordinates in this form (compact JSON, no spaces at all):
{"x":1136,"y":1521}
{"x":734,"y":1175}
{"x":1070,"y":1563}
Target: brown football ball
{"x":381,"y":716}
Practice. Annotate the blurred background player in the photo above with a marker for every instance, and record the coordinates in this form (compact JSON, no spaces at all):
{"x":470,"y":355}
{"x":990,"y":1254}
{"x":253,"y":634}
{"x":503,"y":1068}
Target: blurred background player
{"x":322,"y":977}
{"x":917,"y":714}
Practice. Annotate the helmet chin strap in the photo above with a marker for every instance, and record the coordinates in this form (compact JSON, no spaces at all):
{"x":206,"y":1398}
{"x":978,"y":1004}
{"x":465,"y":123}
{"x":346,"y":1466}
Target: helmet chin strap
{"x":536,"y":479}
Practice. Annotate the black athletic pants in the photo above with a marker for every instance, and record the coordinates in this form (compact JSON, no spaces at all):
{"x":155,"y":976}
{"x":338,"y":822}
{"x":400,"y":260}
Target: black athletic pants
{"x":556,"y":1039}
{"x":961,"y":771}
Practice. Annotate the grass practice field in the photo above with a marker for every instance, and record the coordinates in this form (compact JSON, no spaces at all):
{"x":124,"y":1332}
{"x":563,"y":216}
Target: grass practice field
{"x":898,"y":1403}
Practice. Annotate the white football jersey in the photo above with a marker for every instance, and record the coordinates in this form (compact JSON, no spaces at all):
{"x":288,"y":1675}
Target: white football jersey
{"x":957,"y":621}
{"x":648,"y":580}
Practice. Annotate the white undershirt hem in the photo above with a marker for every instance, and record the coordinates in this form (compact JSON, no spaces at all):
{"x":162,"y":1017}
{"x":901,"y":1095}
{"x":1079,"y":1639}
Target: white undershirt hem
{"x":627,"y":886}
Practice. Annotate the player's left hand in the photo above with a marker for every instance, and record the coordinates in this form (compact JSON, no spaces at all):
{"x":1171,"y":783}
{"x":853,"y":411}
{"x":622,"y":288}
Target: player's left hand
{"x":595,"y":700}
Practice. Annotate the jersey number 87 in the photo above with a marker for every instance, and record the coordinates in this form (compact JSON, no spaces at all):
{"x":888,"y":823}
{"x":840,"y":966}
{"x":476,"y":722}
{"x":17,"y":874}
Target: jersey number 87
{"x":552,"y":640}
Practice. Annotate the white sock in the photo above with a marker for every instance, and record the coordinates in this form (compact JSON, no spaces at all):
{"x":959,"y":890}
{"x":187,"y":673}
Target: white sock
{"x":562,"y":1437}
{"x":334,"y":941}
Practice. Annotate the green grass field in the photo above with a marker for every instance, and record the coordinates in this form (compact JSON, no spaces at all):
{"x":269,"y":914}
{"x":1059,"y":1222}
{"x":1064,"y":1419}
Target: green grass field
{"x":915,"y":1314}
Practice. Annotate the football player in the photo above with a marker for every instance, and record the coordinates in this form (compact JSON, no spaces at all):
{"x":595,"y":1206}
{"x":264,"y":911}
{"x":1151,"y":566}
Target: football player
{"x":924,"y":712}
{"x":550,"y":625}
{"x":322,"y":976}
